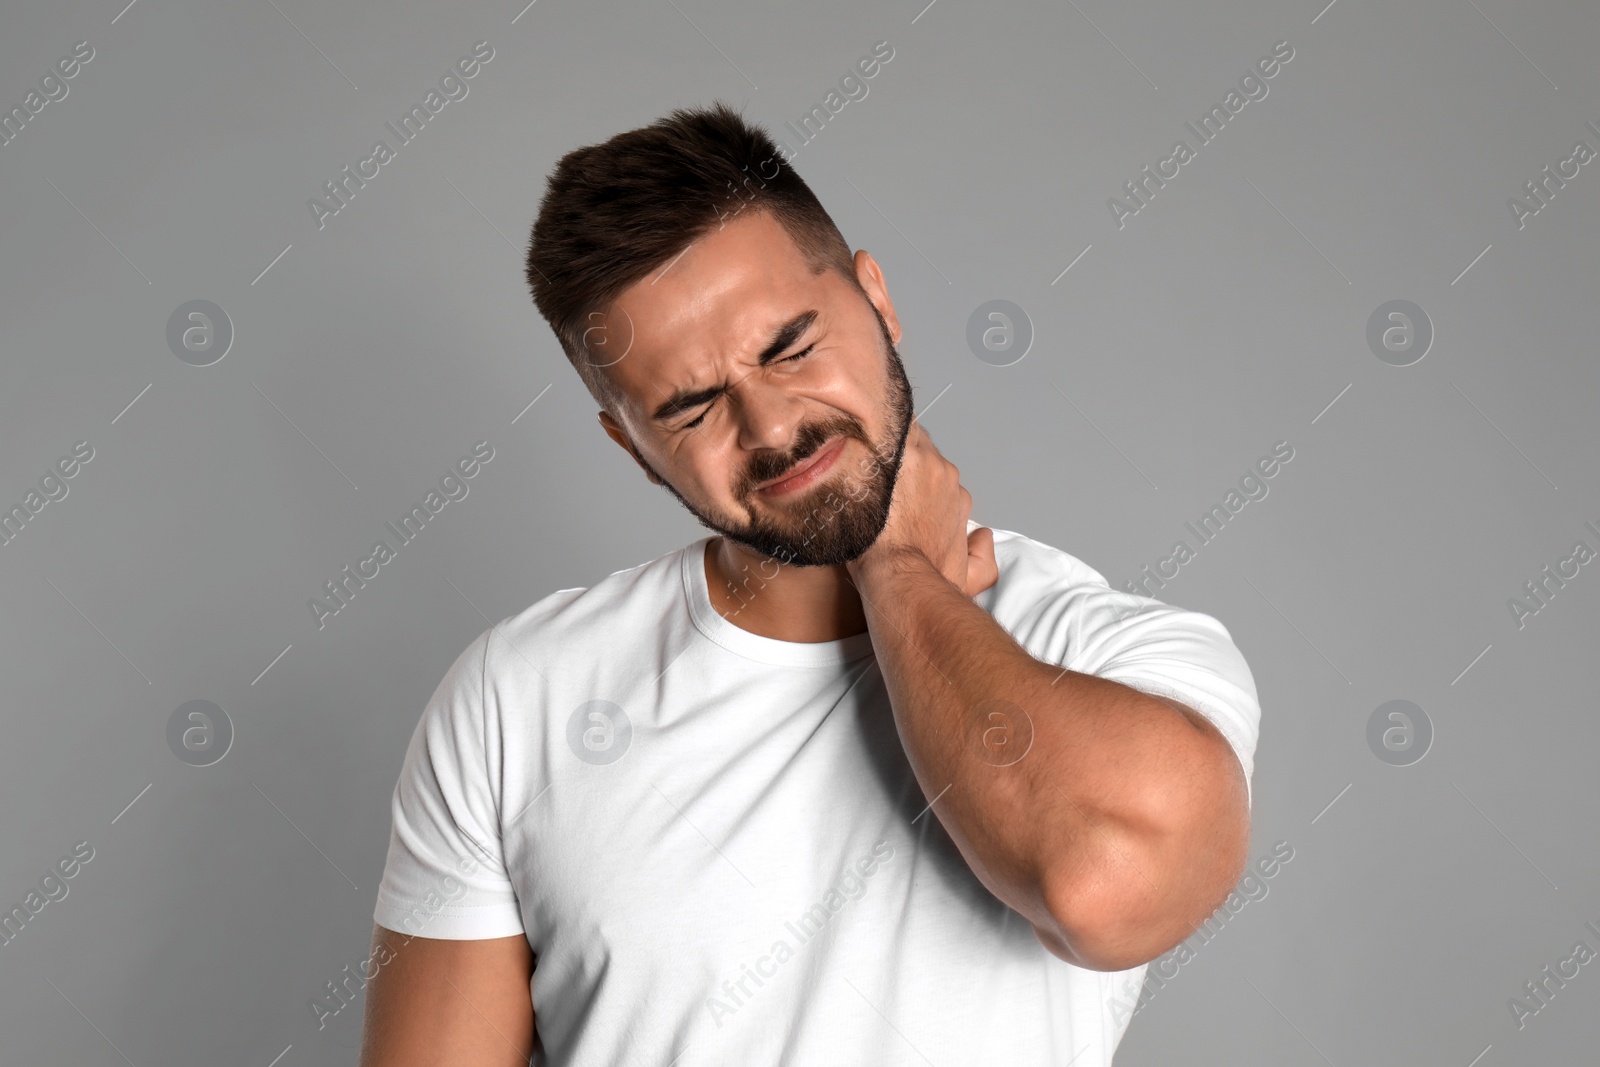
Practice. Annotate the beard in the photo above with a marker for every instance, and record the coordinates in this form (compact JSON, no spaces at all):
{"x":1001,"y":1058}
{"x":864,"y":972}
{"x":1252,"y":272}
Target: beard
{"x":838,"y":517}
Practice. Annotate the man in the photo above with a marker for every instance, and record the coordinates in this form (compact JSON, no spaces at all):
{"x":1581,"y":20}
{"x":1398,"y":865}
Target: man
{"x":854,"y":780}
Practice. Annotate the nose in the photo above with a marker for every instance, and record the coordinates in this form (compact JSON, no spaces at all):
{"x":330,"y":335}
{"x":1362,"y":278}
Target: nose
{"x":768,"y":415}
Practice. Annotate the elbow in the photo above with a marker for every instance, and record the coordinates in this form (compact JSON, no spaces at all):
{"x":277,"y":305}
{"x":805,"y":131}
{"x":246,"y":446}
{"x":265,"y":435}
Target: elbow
{"x":1098,"y":941}
{"x":1143,"y":891}
{"x":1118,"y":928}
{"x":1102,"y":915}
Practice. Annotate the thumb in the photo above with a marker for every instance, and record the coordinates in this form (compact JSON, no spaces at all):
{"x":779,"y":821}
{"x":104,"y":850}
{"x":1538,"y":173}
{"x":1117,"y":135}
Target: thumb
{"x":982,"y":570}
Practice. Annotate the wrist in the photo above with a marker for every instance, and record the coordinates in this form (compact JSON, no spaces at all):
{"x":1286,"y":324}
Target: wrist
{"x":881,"y":560}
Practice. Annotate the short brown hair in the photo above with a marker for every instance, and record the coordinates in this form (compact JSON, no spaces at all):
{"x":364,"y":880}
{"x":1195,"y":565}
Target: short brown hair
{"x":613,"y":212}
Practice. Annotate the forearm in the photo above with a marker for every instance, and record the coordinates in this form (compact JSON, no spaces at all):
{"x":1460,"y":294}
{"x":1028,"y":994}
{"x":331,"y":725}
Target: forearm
{"x":1079,"y":802}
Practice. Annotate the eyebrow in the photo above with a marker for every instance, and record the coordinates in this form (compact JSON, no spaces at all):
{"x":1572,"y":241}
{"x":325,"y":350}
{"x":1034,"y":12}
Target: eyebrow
{"x":782,"y":338}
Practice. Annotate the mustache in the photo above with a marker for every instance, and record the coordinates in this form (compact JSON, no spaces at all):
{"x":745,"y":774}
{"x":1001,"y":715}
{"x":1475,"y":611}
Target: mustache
{"x":765,"y":466}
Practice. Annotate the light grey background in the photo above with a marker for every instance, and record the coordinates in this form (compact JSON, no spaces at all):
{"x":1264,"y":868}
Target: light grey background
{"x":1227,"y":315}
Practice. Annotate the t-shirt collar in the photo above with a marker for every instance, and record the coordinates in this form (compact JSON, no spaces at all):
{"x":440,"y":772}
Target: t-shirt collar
{"x":754,"y":646}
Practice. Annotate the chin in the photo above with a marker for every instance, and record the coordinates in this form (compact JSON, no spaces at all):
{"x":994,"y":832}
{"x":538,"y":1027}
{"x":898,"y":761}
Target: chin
{"x":837,"y":539}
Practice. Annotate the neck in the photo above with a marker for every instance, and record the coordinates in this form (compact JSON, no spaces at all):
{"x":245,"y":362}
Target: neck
{"x":786,"y":603}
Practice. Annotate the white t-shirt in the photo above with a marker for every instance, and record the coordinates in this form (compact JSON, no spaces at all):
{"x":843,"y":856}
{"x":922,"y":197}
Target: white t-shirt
{"x":716,"y":847}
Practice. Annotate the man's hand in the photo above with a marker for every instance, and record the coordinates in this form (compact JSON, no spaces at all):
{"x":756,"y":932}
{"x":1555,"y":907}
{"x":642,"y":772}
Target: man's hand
{"x":928,"y":517}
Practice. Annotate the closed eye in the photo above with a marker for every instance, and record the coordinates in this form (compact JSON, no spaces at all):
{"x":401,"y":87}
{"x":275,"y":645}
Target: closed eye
{"x":698,"y":419}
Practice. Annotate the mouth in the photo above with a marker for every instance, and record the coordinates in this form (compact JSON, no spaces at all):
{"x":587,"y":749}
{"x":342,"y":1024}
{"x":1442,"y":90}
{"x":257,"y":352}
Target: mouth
{"x":806,"y":473}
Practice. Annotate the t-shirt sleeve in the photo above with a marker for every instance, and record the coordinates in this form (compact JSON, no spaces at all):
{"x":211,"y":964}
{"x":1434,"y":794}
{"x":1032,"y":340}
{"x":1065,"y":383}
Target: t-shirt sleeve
{"x":445,"y":875}
{"x":1187,"y":656}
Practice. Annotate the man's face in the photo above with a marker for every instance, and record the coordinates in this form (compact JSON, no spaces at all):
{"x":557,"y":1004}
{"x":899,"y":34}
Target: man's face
{"x":737,"y":366}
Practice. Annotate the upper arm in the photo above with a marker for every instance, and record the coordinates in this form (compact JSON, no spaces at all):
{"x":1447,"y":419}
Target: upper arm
{"x":1197,"y":830}
{"x":1179,"y":872}
{"x":435,"y":1002}
{"x":1181,"y":656}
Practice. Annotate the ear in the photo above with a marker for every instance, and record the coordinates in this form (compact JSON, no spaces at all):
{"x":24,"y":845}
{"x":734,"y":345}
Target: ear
{"x":870,"y":275}
{"x":615,"y":431}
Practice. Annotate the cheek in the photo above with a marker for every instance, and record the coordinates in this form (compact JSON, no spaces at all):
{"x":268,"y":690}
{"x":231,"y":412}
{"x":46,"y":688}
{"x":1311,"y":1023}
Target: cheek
{"x":848,"y":385}
{"x":702,"y":464}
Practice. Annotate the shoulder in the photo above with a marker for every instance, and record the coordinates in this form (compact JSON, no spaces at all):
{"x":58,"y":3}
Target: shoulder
{"x":568,"y":623}
{"x":1046,"y":593}
{"x":1035,"y":580}
{"x":567,"y":633}
{"x":1063,"y":611}
{"x":1030,"y":561}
